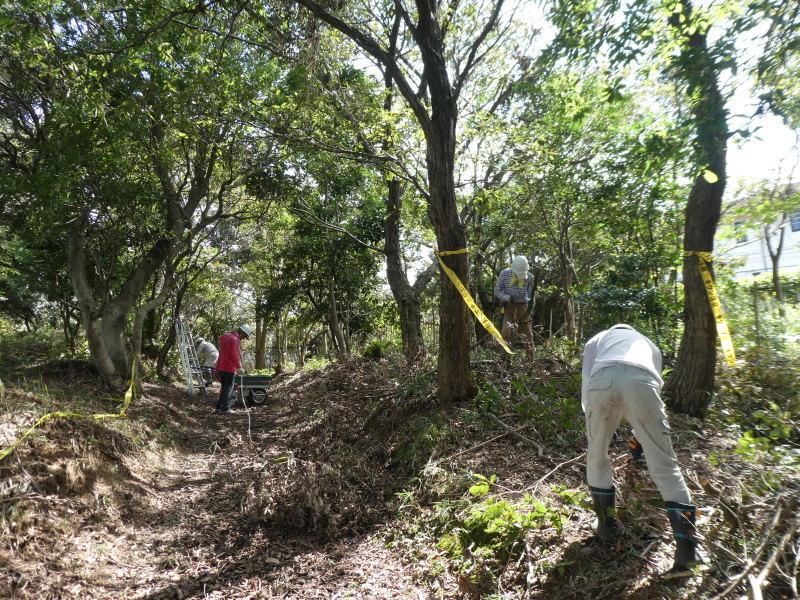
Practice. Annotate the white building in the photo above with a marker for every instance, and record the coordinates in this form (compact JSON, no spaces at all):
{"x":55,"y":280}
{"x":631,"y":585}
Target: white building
{"x":743,"y":244}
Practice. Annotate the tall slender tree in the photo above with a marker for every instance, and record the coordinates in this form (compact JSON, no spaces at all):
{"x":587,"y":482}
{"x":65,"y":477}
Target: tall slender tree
{"x":434,"y":102}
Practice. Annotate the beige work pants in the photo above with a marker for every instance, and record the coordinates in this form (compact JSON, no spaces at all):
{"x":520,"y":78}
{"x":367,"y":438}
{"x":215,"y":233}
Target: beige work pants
{"x":625,"y":391}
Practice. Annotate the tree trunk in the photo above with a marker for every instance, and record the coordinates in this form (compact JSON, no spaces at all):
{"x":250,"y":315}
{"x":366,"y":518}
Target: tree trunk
{"x":105,"y":325}
{"x":261,"y":335}
{"x":439,"y":127}
{"x":279,"y":355}
{"x":690,"y":387}
{"x":775,"y":258}
{"x":333,"y":321}
{"x":455,"y":377}
{"x":92,"y":322}
{"x":407,"y":297}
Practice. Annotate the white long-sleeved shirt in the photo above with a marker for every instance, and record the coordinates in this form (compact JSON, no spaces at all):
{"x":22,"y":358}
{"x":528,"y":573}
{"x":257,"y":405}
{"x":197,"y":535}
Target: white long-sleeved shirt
{"x":207,"y":354}
{"x":620,"y":345}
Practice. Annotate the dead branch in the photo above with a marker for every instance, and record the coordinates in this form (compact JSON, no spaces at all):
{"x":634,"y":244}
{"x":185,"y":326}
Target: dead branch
{"x":556,"y":468}
{"x":780,"y":515}
{"x":730,"y":508}
{"x":757,"y":582}
{"x":476,"y":446}
{"x":519,"y":436}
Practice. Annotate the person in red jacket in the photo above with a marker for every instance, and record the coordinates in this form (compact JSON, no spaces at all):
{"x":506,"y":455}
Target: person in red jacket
{"x":229,"y":364}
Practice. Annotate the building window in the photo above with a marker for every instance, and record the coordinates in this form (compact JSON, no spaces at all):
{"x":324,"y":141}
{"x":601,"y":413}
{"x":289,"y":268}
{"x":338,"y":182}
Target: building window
{"x":741,"y":235}
{"x":795,"y":220}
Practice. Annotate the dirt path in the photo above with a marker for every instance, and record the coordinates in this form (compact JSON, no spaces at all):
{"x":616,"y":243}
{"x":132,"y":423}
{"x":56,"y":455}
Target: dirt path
{"x":206,"y":519}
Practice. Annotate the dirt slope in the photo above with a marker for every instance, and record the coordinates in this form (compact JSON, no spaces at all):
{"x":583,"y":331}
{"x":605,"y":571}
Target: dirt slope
{"x":343,"y":486}
{"x":96,"y":514}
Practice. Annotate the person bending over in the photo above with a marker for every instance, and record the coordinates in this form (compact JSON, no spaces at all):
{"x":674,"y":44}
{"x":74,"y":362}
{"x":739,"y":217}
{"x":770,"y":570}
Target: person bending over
{"x":622,"y":378}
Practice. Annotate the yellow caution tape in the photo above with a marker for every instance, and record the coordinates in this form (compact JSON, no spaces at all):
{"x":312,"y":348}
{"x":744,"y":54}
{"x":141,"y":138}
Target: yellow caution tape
{"x":125,"y":404}
{"x":703,"y":260}
{"x":488,"y":325}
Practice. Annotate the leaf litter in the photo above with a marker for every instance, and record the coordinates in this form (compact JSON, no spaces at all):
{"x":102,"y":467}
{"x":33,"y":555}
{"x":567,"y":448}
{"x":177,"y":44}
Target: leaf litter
{"x":335,"y":489}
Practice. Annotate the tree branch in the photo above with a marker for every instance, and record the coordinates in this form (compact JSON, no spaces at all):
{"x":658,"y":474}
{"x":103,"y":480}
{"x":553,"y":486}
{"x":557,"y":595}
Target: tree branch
{"x":371,"y":47}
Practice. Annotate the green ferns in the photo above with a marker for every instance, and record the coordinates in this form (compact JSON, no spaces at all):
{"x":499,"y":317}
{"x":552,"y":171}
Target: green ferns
{"x":491,"y":531}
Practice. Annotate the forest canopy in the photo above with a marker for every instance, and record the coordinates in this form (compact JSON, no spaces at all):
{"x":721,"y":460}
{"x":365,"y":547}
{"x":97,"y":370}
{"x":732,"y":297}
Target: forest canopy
{"x":295,"y":166}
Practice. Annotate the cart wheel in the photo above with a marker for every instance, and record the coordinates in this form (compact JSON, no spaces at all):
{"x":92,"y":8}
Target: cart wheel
{"x":258,"y":396}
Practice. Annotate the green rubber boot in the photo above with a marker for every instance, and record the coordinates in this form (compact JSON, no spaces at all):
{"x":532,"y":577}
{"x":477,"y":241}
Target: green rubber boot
{"x":682,"y":519}
{"x":606,"y":528}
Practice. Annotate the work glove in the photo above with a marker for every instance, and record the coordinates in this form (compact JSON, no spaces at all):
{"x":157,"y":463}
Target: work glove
{"x":505,"y":298}
{"x":240,"y":371}
{"x":637,"y":452}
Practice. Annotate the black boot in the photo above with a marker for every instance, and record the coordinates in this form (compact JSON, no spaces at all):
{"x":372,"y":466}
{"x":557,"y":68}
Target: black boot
{"x":606,"y":528}
{"x":682,"y":518}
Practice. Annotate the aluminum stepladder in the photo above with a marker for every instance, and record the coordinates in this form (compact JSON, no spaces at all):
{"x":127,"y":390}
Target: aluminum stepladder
{"x":189,"y":361}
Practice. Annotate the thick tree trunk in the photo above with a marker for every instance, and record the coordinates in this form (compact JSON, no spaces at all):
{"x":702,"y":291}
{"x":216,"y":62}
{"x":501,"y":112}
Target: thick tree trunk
{"x":455,"y":376}
{"x":92,"y":322}
{"x":105,"y":325}
{"x":690,"y":387}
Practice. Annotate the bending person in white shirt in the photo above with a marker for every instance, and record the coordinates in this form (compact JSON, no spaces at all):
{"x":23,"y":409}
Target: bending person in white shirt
{"x":207,"y":357}
{"x":622,"y":378}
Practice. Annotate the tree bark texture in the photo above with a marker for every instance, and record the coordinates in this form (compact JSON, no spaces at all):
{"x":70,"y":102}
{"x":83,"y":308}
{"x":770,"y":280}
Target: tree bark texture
{"x":690,"y":387}
{"x":407,"y":296}
{"x":333,"y":320}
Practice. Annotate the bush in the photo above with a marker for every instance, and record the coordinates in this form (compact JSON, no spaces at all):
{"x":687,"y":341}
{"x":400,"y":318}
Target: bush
{"x":378,"y":349}
{"x":762,"y":400}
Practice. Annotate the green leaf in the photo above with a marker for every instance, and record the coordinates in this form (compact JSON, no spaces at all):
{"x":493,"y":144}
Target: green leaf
{"x":479,"y":489}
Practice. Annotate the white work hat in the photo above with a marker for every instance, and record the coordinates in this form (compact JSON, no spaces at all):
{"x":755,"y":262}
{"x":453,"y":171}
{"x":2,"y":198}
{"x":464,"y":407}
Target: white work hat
{"x":519,"y":265}
{"x":199,"y":339}
{"x":245,"y":329}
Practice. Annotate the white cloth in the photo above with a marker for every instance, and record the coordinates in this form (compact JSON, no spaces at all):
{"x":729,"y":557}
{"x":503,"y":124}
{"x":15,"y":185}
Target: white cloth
{"x":207,"y":354}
